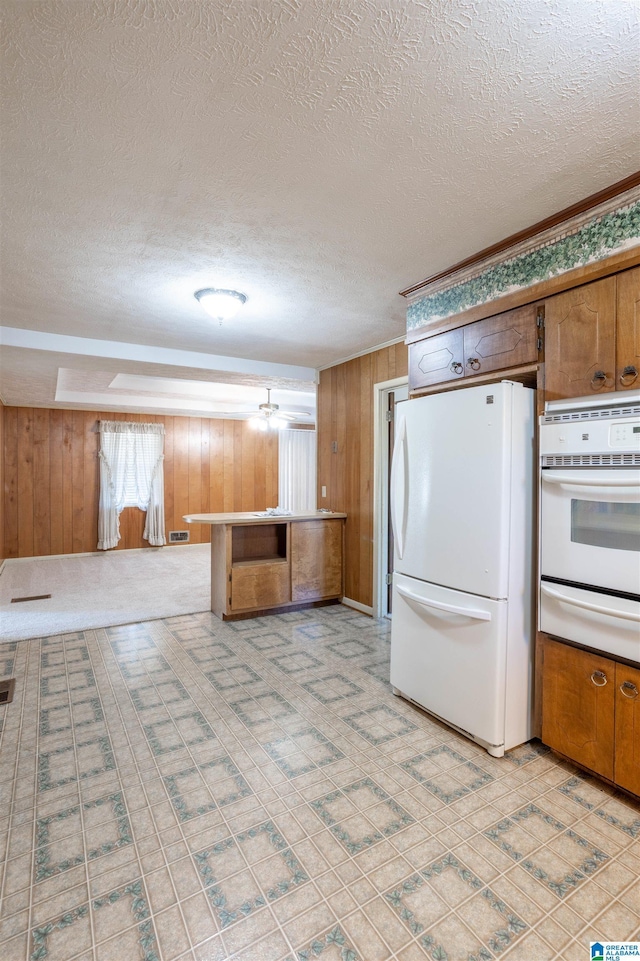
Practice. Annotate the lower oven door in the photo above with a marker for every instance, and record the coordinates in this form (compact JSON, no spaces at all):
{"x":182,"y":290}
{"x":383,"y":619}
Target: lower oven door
{"x":606,"y":623}
{"x":590,"y":527}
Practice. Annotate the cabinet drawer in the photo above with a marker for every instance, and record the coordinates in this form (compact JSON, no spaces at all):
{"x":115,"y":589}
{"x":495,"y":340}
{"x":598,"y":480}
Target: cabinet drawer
{"x":437,"y":359}
{"x":260,"y":585}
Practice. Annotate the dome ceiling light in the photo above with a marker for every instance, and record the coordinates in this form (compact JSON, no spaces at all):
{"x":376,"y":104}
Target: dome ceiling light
{"x":220,"y":304}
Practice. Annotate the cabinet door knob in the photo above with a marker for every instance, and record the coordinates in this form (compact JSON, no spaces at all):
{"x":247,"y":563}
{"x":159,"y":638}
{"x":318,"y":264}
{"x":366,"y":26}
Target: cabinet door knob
{"x":598,"y":380}
{"x":473,"y":363}
{"x":629,"y":690}
{"x":599,"y":678}
{"x":456,"y":367}
{"x":628,"y":372}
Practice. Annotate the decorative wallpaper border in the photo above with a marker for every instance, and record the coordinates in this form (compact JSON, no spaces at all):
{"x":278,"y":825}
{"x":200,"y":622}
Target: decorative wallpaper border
{"x":601,"y":236}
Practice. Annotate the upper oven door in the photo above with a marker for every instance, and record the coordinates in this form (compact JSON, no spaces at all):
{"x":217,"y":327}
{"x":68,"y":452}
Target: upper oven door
{"x":590,"y":527}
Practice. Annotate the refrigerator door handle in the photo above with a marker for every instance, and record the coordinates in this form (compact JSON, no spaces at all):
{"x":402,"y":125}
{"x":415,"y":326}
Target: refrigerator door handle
{"x":573,"y":601}
{"x":450,"y":608}
{"x":399,"y":489}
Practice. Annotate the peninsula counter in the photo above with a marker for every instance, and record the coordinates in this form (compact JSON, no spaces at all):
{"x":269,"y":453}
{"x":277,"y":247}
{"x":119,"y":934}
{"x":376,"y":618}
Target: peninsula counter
{"x":263,"y":563}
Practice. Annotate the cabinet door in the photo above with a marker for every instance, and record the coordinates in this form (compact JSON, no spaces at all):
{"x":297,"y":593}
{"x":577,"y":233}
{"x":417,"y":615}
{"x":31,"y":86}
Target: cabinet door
{"x":628,"y":330}
{"x":436,"y":359}
{"x":580,"y":341}
{"x":316,"y":559}
{"x":578,"y":693}
{"x":627,"y":752}
{"x":506,"y":340}
{"x":258,"y":586}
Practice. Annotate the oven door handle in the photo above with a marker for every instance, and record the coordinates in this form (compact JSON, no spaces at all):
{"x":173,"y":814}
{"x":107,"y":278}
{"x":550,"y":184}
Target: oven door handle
{"x":625,"y":615}
{"x":575,"y":480}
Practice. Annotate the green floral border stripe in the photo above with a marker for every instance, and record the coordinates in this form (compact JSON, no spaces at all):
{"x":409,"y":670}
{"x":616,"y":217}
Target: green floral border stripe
{"x":597,"y":239}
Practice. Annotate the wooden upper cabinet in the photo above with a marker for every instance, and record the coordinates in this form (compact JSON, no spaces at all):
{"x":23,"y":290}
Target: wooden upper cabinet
{"x":580,"y":329}
{"x":628,"y":330}
{"x":627,"y":754}
{"x":506,"y":340}
{"x":578,"y":697}
{"x":437,"y":359}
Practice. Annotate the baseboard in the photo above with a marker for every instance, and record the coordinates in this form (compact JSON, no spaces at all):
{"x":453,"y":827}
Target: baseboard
{"x":357,"y":606}
{"x":128,"y":550}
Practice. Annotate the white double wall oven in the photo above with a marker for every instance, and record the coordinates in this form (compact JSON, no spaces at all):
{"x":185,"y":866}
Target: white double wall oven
{"x":590,"y":523}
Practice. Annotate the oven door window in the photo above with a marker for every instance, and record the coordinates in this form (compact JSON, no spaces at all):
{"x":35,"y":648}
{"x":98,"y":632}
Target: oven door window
{"x":603,"y":524}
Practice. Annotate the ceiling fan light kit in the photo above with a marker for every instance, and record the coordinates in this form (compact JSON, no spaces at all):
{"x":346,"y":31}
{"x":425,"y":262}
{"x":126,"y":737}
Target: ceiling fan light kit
{"x":220,"y":304}
{"x":270,"y":417}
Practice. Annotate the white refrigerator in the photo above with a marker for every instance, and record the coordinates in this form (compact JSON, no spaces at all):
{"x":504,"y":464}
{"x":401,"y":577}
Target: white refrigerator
{"x":462,"y":628}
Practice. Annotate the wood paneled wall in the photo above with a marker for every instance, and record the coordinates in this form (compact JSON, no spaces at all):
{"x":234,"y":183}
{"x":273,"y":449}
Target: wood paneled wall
{"x":51,"y":477}
{"x":345,"y":416}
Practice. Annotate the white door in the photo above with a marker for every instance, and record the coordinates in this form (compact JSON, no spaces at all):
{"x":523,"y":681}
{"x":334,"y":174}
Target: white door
{"x":451,"y":485}
{"x":448,"y":653}
{"x":590,"y":523}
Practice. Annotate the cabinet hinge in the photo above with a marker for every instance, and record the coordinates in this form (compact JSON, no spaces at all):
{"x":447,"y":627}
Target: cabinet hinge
{"x":388,"y":578}
{"x":229,"y":578}
{"x":539,"y":343}
{"x":540,"y":317}
{"x":388,"y":415}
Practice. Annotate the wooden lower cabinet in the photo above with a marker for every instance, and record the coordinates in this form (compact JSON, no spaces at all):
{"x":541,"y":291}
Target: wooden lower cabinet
{"x":578,"y":705}
{"x":260,"y":584}
{"x":316,"y":559}
{"x":627,"y":729}
{"x":591,"y":711}
{"x":267,"y":565}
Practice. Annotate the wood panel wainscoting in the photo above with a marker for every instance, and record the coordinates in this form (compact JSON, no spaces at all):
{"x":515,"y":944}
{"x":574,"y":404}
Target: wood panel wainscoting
{"x":345,"y":421}
{"x":51,"y":476}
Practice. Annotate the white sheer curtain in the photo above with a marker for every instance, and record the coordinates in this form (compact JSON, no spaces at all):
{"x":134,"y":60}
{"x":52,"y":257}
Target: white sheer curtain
{"x":130,"y":474}
{"x":297,"y":470}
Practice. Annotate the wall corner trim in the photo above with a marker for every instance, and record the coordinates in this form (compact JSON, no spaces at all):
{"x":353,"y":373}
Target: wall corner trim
{"x":357,"y":606}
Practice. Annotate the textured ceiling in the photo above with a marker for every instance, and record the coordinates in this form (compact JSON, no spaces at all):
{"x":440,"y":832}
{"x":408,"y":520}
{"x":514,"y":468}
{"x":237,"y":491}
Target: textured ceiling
{"x":319,"y":155}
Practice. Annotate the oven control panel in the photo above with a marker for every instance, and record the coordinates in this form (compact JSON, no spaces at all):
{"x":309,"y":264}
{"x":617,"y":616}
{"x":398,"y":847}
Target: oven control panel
{"x":625,"y":435}
{"x":588,"y":437}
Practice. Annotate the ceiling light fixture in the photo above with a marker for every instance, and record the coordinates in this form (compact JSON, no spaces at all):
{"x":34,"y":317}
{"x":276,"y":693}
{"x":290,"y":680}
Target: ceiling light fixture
{"x":220,"y":304}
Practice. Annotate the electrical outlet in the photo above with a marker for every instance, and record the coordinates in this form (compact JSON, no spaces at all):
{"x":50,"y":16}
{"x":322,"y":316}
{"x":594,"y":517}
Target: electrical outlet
{"x":324,"y":491}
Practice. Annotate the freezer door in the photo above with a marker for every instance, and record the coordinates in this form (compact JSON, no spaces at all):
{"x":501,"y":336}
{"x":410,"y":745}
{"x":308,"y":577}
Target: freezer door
{"x":448,"y":654}
{"x":458,"y":461}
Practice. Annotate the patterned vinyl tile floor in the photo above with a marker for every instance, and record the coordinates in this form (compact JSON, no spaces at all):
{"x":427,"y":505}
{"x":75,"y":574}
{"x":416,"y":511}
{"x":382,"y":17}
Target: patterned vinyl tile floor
{"x":192,"y":789}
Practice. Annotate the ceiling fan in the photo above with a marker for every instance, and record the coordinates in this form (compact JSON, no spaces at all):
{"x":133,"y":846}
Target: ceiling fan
{"x":270,"y":417}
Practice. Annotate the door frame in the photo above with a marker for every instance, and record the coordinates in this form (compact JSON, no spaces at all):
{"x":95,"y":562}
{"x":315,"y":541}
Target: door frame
{"x":381,"y":468}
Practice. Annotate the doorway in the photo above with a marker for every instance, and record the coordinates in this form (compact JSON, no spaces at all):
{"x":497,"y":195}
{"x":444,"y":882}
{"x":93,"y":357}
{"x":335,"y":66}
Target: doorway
{"x":386,"y":395}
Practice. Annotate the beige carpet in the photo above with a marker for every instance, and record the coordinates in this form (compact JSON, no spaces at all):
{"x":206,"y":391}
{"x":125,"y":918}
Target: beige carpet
{"x":101,"y":590}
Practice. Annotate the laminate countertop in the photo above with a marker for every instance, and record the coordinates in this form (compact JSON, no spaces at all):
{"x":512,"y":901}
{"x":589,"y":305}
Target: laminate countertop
{"x":259,"y":517}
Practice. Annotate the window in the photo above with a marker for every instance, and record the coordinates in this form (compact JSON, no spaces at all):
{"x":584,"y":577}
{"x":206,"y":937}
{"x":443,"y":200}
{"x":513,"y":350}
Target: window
{"x":130,"y":476}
